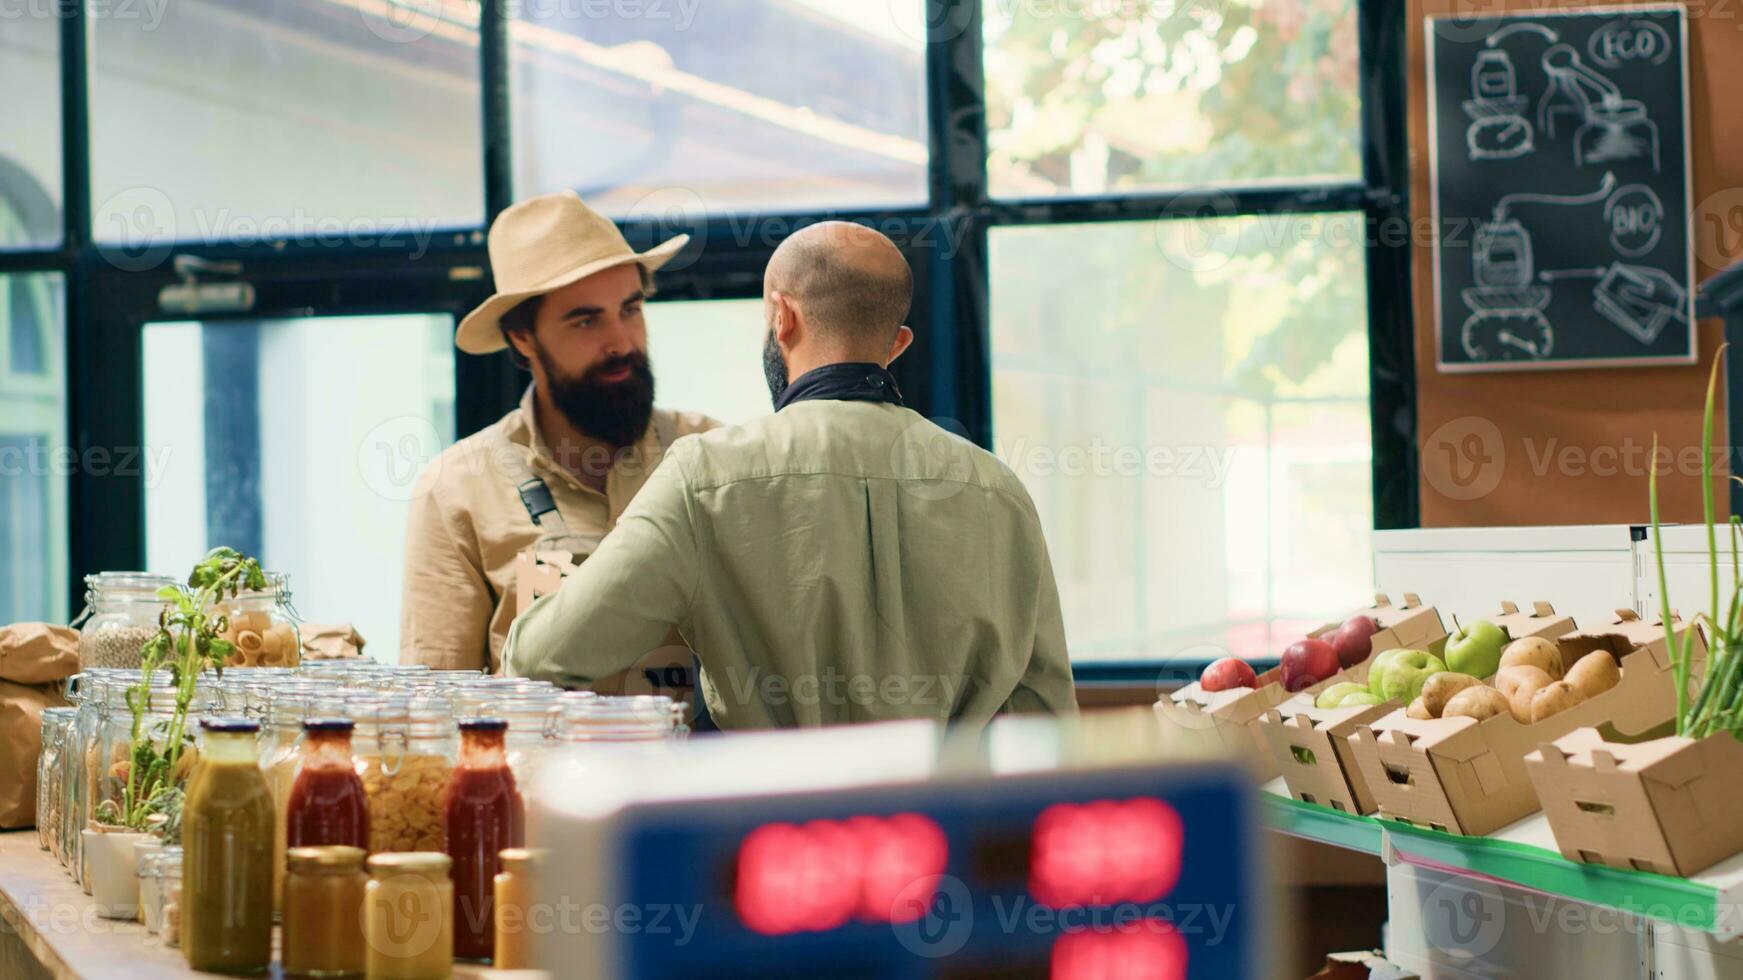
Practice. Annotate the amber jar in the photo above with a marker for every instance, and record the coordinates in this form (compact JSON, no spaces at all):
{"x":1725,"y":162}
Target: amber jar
{"x":514,"y":939}
{"x":323,"y":911}
{"x":409,"y":917}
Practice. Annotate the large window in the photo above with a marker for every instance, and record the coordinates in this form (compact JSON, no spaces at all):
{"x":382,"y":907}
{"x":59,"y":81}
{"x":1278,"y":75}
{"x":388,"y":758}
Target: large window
{"x":1111,"y":96}
{"x":1140,"y":233}
{"x":258,"y":120}
{"x":30,"y":128}
{"x":730,"y":105}
{"x":35,"y":459}
{"x":297,"y":441}
{"x":1188,"y":404}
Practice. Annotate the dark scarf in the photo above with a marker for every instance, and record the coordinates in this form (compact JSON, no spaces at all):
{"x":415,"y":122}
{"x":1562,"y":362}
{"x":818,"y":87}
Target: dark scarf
{"x":851,"y":381}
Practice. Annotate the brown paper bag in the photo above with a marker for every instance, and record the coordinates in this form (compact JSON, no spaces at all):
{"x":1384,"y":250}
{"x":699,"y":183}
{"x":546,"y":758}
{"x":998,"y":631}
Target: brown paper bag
{"x":35,"y":653}
{"x":34,"y":659}
{"x":331,"y":641}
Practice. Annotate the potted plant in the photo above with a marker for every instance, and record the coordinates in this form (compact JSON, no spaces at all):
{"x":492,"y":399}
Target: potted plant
{"x":1665,"y":804}
{"x":161,"y":751}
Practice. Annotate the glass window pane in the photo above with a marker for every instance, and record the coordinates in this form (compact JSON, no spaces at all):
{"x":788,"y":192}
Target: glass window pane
{"x":251,"y":120}
{"x":30,"y":128}
{"x":651,"y":108}
{"x":1100,"y":98}
{"x":707,"y":357}
{"x":1188,"y":404}
{"x":35,"y":457}
{"x":282,"y":438}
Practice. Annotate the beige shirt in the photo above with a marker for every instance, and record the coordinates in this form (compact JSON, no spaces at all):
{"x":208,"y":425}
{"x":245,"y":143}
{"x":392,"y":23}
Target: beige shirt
{"x":834,"y":562}
{"x":467,"y":524}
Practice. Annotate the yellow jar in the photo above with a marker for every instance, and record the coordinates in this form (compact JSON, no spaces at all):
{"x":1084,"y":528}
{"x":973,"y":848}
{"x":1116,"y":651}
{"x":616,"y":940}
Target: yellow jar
{"x":323,"y":912}
{"x":514,"y":938}
{"x":409,"y":917}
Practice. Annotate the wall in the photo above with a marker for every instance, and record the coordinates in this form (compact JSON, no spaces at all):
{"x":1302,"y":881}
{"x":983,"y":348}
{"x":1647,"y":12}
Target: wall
{"x":1572,"y":445}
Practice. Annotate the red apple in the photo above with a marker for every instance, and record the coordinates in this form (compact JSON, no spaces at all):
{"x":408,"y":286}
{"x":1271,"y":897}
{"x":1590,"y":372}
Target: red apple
{"x":1354,"y":640}
{"x":1227,"y":674}
{"x":1307,"y":662}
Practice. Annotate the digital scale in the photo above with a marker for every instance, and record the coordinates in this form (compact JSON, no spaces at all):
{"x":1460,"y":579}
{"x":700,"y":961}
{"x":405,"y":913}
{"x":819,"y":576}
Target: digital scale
{"x":1032,"y":849}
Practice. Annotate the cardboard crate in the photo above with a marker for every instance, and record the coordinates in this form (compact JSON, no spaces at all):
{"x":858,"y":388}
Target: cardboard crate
{"x":1666,"y":805}
{"x":1224,"y":722}
{"x":1468,"y":777}
{"x":1310,"y":745}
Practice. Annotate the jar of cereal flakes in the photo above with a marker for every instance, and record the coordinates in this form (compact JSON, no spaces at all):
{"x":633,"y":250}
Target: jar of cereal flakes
{"x":404,"y":749}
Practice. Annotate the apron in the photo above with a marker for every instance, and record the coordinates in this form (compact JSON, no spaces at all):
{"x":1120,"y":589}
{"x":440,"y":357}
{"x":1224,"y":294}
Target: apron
{"x":541,"y":506}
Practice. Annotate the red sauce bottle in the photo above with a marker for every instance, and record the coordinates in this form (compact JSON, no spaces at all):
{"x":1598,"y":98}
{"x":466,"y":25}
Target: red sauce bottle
{"x":327,"y":804}
{"x":482,"y":814}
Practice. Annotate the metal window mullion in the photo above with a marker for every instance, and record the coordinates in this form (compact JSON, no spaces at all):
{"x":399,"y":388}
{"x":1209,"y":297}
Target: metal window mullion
{"x":86,"y":540}
{"x":959,"y":382}
{"x":1391,"y":313}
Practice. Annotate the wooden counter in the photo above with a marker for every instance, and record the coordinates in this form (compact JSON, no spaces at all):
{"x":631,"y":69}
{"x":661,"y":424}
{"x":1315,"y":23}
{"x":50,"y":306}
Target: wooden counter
{"x":50,"y":930}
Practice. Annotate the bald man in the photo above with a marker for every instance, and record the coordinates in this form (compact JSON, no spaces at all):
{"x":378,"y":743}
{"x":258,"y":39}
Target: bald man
{"x":841,"y":560}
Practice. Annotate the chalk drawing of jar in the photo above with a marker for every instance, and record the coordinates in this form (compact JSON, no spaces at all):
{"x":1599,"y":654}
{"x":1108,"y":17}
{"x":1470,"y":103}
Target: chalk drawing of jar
{"x":1614,"y":131}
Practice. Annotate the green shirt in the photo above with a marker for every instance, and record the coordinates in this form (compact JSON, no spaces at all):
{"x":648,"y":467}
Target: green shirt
{"x":838,"y":561}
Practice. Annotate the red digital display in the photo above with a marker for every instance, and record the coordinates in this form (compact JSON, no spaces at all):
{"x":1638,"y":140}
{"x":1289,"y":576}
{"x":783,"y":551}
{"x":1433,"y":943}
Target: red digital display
{"x":821,"y":875}
{"x":1148,"y":950}
{"x":1105,"y":852}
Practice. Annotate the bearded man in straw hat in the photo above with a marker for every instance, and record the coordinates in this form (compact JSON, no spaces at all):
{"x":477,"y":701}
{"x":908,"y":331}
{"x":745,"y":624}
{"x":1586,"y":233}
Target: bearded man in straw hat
{"x":559,"y":469}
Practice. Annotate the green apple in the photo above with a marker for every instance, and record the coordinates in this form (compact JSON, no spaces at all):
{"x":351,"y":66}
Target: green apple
{"x":1475,"y":649}
{"x":1360,"y":697}
{"x":1333,"y":696}
{"x":1377,"y":671}
{"x":1400,"y":678}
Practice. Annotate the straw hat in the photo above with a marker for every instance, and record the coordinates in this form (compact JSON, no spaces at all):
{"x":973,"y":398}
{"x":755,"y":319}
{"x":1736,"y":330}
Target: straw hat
{"x":544,"y":244}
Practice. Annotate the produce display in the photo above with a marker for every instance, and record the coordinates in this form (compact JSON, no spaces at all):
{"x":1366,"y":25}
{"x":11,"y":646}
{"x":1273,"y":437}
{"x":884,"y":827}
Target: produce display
{"x":1306,"y":662}
{"x":172,"y":756}
{"x":1529,"y":685}
{"x":1398,"y":675}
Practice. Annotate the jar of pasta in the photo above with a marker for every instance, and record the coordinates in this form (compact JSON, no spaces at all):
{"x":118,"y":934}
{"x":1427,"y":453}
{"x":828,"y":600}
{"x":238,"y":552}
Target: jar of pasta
{"x":261,"y":626}
{"x":122,"y":610}
{"x":404,"y":749}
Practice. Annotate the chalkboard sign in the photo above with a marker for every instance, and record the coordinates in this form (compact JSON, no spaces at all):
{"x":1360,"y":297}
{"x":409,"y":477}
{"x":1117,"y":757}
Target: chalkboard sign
{"x":1560,"y":185}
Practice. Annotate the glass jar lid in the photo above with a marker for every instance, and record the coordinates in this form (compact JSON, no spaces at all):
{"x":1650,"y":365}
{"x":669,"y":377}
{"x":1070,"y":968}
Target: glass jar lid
{"x":417,"y":862}
{"x":635,"y":717}
{"x":126,"y":587}
{"x":334,"y":857}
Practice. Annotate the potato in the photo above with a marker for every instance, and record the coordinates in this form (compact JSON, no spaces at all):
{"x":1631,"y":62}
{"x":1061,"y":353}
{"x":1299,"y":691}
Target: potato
{"x":1554,"y":698}
{"x":1418,"y":710}
{"x":1440,"y":688}
{"x":1508,"y":679}
{"x":1534,"y":651}
{"x":1479,"y":702}
{"x":1527,"y":686}
{"x":1595,"y":673}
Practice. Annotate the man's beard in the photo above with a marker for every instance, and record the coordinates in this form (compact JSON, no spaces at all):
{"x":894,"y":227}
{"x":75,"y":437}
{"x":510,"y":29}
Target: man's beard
{"x":774,"y":368}
{"x":614,"y":412}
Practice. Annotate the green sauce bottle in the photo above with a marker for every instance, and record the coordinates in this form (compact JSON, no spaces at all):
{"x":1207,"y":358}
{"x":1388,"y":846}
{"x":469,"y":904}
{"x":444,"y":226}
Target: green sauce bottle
{"x":227,"y":854}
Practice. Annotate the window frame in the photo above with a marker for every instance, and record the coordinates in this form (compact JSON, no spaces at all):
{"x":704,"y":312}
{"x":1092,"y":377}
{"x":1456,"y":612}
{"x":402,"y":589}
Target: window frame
{"x":946,"y":375}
